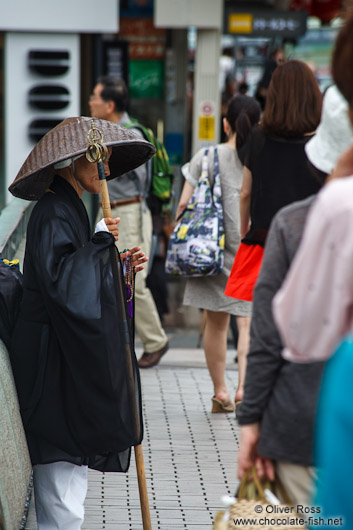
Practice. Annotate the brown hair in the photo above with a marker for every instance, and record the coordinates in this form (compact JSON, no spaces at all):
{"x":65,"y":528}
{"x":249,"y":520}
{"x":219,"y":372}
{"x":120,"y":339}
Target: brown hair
{"x":293,"y":104}
{"x":342,"y":59}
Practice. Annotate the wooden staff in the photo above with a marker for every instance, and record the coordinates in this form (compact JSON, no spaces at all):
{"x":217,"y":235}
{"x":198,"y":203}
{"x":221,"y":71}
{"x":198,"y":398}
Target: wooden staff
{"x":97,"y":152}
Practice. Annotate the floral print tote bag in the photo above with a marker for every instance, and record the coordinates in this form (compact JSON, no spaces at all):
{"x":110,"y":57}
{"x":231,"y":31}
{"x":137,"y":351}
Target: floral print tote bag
{"x":196,"y":246}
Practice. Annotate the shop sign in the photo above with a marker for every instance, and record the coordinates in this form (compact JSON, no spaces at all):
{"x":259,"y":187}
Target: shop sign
{"x":115,"y":59}
{"x":140,"y":28}
{"x":145,"y":40}
{"x":146,"y":79}
{"x":266,"y":23}
{"x":146,"y":50}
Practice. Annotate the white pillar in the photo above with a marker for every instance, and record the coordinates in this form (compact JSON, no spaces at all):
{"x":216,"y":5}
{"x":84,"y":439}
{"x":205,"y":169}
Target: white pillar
{"x":207,"y":98}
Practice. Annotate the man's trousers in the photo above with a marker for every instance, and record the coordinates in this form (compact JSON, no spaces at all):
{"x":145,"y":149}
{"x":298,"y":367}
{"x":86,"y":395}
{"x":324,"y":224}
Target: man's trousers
{"x":135,"y":230}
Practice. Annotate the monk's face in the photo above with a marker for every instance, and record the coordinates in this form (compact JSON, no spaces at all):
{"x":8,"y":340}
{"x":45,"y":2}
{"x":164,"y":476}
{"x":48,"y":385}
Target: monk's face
{"x":87,"y":173}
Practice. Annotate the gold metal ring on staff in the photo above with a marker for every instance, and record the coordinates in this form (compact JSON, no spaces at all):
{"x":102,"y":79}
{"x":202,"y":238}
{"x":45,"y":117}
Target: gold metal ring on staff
{"x":96,"y":151}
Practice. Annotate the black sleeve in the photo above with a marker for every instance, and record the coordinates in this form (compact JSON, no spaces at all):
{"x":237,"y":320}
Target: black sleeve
{"x":87,"y":341}
{"x":71,"y":278}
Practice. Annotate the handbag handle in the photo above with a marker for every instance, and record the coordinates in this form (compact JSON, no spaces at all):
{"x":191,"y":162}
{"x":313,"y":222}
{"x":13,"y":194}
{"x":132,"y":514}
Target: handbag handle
{"x":242,"y":491}
{"x":204,"y":171}
{"x":216,"y":178}
{"x":242,"y":494}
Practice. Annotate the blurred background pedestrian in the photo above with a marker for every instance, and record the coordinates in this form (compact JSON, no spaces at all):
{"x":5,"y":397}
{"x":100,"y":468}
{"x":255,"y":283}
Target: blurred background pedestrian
{"x":208,"y":292}
{"x":230,"y":90}
{"x":276,"y":173}
{"x":277,"y":58}
{"x":110,"y":101}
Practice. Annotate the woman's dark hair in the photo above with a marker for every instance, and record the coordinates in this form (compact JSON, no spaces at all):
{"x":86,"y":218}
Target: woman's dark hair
{"x":342,"y":59}
{"x":293,"y":104}
{"x":242,"y":114}
{"x":115,"y":90}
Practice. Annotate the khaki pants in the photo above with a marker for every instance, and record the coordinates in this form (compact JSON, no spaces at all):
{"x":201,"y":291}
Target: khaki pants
{"x":133,"y":232}
{"x":298,"y":482}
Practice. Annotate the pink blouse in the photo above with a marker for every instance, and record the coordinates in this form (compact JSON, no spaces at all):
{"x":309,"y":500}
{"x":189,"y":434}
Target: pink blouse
{"x":314,"y":307}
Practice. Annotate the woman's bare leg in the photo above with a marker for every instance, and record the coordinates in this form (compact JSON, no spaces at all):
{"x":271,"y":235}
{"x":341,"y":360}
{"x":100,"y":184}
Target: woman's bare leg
{"x":215,"y":346}
{"x":243,"y":324}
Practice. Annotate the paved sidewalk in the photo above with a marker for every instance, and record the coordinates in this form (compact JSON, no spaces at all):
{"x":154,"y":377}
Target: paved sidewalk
{"x":190,"y":454}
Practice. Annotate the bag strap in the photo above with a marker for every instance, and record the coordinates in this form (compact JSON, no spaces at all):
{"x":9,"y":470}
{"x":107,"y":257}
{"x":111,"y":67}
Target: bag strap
{"x":147,"y":135}
{"x":204,"y":167}
{"x":242,"y":492}
{"x":216,"y":178}
{"x":204,"y":178}
{"x":216,"y":164}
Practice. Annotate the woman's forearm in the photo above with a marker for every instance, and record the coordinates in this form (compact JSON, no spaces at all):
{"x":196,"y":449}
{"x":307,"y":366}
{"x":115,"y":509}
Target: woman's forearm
{"x":245,"y":199}
{"x":244,"y":214}
{"x":185,"y":196}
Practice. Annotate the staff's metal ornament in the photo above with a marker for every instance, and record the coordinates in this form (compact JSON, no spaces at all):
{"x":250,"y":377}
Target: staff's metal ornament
{"x":96,"y":153}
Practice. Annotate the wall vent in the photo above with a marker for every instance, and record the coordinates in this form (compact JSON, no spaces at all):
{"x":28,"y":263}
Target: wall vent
{"x":49,"y":97}
{"x":49,"y":63}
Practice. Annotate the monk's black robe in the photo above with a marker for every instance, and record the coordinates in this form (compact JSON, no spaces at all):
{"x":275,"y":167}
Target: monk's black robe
{"x":72,"y":350}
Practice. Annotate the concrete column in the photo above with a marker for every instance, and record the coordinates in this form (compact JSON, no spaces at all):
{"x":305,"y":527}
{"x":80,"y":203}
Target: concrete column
{"x":176,"y":68}
{"x":177,"y":119}
{"x":207,"y":98}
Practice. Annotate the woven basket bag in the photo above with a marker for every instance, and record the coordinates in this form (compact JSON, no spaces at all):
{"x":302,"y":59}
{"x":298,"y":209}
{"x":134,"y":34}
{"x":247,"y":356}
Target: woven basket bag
{"x":251,"y":510}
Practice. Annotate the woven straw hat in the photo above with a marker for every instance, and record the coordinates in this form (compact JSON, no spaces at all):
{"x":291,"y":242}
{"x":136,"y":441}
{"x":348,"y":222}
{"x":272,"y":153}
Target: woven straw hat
{"x":69,"y":139}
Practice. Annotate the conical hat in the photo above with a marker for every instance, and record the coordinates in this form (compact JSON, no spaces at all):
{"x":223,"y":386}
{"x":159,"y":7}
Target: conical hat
{"x":69,"y":139}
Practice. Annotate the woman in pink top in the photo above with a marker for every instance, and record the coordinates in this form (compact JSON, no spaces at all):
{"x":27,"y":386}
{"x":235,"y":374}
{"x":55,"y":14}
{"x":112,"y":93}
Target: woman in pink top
{"x":314,"y":308}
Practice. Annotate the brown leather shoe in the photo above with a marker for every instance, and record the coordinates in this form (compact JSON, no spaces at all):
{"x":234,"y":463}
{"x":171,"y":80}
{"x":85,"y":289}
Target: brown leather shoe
{"x":151,"y":359}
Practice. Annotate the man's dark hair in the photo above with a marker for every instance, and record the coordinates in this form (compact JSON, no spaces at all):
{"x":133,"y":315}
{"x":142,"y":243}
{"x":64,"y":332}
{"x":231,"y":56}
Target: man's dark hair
{"x":115,"y":89}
